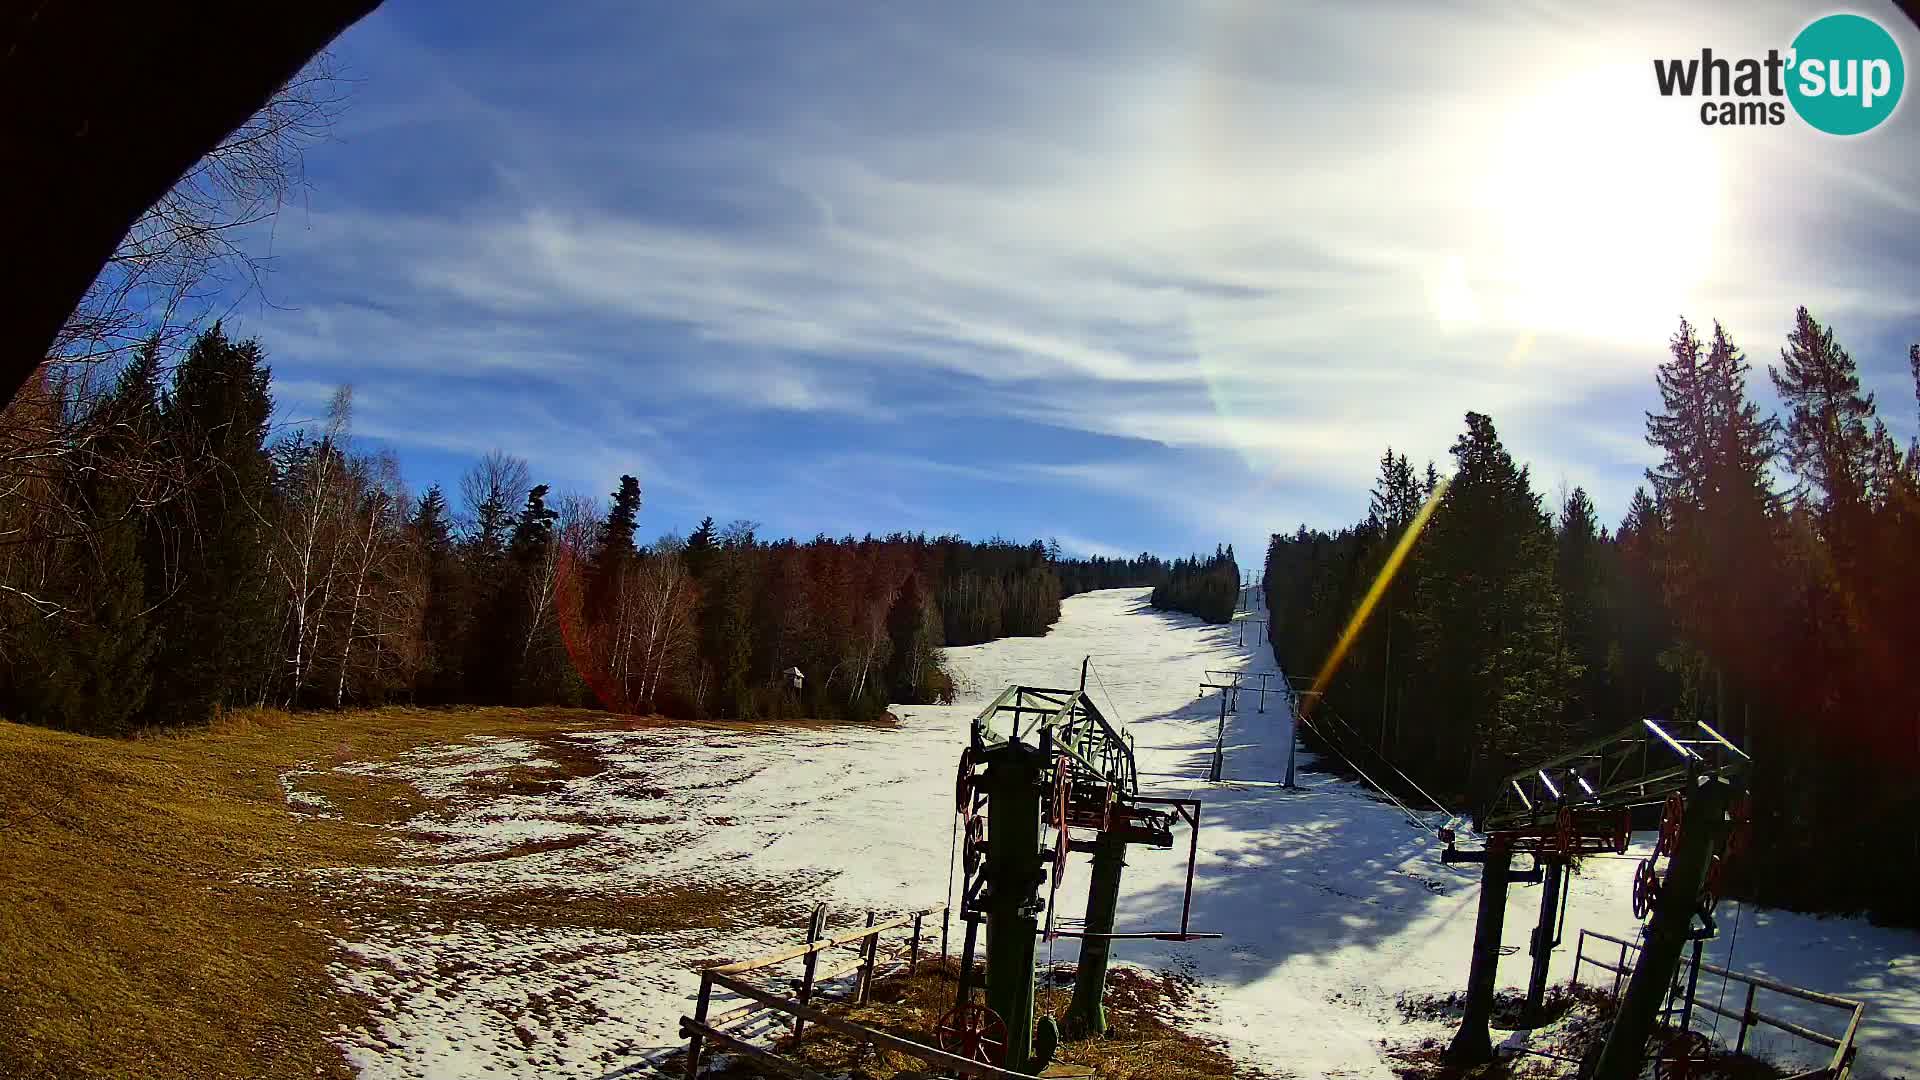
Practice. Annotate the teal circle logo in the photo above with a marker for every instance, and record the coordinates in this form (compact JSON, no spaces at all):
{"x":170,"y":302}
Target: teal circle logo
{"x":1847,"y":74}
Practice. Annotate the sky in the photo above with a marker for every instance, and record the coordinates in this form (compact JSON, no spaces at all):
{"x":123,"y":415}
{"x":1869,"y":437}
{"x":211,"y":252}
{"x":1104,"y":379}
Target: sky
{"x":1133,"y":276}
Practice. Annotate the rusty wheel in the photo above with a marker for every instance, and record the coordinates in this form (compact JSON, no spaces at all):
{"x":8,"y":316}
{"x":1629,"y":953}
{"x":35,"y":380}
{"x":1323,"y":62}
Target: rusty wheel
{"x":1565,"y":836}
{"x":963,"y":785}
{"x":974,"y":1032}
{"x":1684,"y":1056}
{"x":1710,"y":892}
{"x":1671,"y":816}
{"x":1646,"y":887}
{"x":976,"y":843}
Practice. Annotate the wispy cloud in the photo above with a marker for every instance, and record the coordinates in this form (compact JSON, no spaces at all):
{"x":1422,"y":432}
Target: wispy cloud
{"x":1201,"y":236}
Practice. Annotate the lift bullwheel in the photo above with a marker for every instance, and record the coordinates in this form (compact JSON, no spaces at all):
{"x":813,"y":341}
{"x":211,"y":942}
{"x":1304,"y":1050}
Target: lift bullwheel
{"x":1685,"y":1055}
{"x":1646,"y":888}
{"x":1565,"y":836}
{"x":963,"y":784}
{"x":1672,"y":816}
{"x":1710,"y":890}
{"x":974,"y":1032}
{"x":1062,"y":797}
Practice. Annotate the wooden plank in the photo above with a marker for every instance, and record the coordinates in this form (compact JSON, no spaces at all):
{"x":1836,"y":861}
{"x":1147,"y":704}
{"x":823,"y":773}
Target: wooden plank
{"x":694,"y":1029}
{"x":1843,"y":1054}
{"x":798,"y":951}
{"x":931,"y":1055}
{"x":1828,"y":1041}
{"x":842,"y":971}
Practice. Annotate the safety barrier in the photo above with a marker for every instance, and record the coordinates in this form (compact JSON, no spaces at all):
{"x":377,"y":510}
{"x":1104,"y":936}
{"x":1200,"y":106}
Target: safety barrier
{"x":1748,"y":1016}
{"x":705,"y":1027}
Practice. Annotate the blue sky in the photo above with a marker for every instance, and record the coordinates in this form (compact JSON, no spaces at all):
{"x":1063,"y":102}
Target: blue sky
{"x":1136,"y":276}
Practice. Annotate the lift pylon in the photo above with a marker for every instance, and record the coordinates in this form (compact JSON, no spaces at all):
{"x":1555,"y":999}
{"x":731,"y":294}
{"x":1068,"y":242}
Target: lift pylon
{"x":1044,"y":759}
{"x":1581,"y":803}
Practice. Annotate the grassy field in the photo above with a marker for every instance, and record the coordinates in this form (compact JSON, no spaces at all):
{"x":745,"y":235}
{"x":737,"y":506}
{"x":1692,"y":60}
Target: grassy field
{"x":148,"y":927}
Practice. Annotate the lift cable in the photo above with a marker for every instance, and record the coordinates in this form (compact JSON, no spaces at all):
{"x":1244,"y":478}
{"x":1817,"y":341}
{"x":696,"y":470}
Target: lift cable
{"x":1104,"y":692}
{"x":953,"y":848}
{"x":1342,"y":721}
{"x":1413,"y":818}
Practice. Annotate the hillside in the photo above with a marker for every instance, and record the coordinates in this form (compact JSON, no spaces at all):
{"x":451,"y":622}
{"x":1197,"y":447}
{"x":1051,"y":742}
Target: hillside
{"x":515,"y":895}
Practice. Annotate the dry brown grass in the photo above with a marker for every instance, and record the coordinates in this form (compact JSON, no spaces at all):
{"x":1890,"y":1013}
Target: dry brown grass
{"x":135,"y":940}
{"x":1144,"y":1041}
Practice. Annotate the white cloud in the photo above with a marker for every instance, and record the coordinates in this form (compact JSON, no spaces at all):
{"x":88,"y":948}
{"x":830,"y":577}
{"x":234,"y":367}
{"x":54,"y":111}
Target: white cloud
{"x":1286,"y":238}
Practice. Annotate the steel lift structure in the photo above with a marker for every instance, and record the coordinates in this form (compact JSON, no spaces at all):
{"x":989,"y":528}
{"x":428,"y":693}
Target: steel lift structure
{"x":1046,"y":773}
{"x":1581,"y":803}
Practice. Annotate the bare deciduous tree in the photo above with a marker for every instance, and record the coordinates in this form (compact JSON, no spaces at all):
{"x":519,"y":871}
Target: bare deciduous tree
{"x":204,"y":242}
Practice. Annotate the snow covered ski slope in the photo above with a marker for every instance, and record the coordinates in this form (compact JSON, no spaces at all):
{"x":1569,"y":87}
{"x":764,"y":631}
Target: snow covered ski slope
{"x":1332,"y":904}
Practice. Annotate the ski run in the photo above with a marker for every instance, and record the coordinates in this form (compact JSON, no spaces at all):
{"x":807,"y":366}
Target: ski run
{"x":1333,"y":905}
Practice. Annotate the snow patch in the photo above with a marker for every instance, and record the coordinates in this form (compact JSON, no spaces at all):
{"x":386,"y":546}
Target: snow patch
{"x":1332,"y":904}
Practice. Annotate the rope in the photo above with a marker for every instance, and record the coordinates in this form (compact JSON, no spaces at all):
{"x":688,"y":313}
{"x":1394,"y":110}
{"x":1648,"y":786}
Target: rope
{"x":1410,"y":815}
{"x":953,"y":847}
{"x":1104,"y":692}
{"x":1335,"y":713}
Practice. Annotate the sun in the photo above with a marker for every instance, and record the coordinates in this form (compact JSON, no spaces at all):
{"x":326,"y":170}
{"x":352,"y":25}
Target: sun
{"x":1606,"y":207}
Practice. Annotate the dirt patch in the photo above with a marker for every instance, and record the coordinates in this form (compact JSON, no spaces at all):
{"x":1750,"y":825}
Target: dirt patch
{"x":528,"y":847}
{"x":703,"y":906}
{"x":159,"y":899}
{"x":561,"y":760}
{"x":1573,"y":1026}
{"x":1144,"y":1040}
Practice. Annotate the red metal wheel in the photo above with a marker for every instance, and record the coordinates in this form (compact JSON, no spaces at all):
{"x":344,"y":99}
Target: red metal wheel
{"x":1685,"y":1055}
{"x":1564,"y":834}
{"x":1671,"y":816}
{"x":1740,"y":838}
{"x":1710,"y":892}
{"x":974,"y":1032}
{"x":963,"y":786}
{"x":976,"y":843}
{"x":1646,"y":887}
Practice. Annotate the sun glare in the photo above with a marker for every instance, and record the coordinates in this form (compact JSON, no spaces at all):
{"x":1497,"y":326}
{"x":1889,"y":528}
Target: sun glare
{"x":1606,"y":207}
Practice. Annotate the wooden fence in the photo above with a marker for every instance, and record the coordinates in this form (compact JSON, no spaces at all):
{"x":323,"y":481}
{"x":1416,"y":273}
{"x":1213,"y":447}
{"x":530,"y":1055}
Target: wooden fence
{"x":1748,"y":1016}
{"x":705,"y":1027}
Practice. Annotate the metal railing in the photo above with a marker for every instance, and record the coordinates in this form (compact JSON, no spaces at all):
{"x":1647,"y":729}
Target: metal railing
{"x":1748,"y":1016}
{"x":706,"y":1027}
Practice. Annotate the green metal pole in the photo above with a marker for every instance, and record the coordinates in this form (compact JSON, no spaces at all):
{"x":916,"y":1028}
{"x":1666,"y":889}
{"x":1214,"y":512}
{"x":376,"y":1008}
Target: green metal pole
{"x":1473,"y":1043}
{"x":1087,"y":1015}
{"x":1542,"y":949}
{"x":1014,"y":875}
{"x":1668,"y":933}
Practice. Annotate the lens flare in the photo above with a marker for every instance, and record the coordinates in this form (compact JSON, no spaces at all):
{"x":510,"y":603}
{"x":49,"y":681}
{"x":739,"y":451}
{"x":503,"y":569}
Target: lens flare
{"x":1381,"y":581}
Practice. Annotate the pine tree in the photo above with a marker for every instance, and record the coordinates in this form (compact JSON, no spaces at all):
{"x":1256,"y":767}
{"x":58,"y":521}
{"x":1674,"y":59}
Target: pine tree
{"x":613,"y":550}
{"x":446,"y":612}
{"x":1489,"y":617}
{"x":1577,"y":574}
{"x":700,"y":548}
{"x":1828,"y":438}
{"x":206,"y":554}
{"x":91,"y":660}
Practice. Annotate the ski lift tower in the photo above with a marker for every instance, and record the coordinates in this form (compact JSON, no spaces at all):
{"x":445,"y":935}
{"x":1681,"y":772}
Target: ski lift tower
{"x":1043,"y":759}
{"x":1582,"y":803}
{"x":1230,"y":685}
